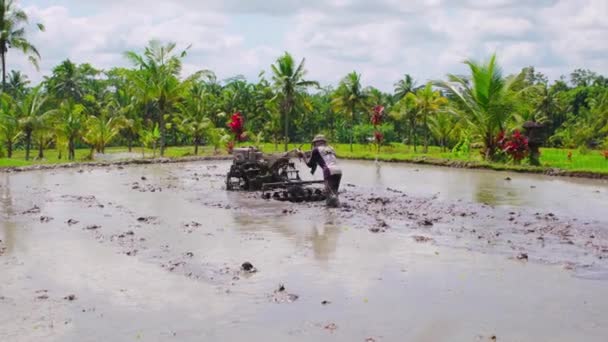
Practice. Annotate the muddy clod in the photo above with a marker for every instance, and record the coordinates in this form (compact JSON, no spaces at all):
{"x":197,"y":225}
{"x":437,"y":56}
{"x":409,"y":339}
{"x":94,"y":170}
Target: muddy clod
{"x":71,"y":222}
{"x":45,"y":219}
{"x":426,"y":222}
{"x":92,"y":227}
{"x":325,"y":302}
{"x":33,"y":210}
{"x":248,"y":267}
{"x":146,"y":219}
{"x":331,"y":327}
{"x":422,"y":239}
{"x":70,"y":297}
{"x":522,"y":256}
{"x":508,"y":178}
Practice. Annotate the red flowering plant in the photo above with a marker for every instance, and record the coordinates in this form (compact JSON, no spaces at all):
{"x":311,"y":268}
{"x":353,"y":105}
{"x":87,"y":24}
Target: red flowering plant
{"x":237,"y":127}
{"x":605,"y":153}
{"x":377,"y":117}
{"x":514,"y":145}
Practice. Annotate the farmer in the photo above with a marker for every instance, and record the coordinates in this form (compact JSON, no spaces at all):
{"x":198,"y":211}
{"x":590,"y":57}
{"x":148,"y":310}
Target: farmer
{"x":324,"y":156}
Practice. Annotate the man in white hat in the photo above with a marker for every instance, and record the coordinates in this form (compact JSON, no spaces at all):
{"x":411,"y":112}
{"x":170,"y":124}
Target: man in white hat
{"x":324,"y":156}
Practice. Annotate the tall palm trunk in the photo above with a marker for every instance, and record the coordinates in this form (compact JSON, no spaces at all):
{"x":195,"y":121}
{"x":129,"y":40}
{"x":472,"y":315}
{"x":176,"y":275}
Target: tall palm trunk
{"x":287,"y":110}
{"x":71,"y":152}
{"x":413,"y":139}
{"x":426,"y":133}
{"x":3,"y":56}
{"x":28,"y":144}
{"x":9,"y":148}
{"x":161,"y":121}
{"x":352,"y":127}
{"x":41,"y":148}
{"x":196,"y":146}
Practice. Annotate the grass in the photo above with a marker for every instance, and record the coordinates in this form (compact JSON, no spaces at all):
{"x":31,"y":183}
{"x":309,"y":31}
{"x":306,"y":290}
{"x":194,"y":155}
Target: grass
{"x":593,"y":161}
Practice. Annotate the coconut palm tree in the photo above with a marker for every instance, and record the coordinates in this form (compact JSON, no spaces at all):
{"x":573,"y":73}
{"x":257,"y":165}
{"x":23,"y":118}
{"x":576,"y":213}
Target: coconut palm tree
{"x":70,"y":123}
{"x":289,"y":83}
{"x":193,"y":118}
{"x":156,"y":80}
{"x":32,"y":114}
{"x":10,"y":131}
{"x":406,"y":109}
{"x":442,"y":125}
{"x":351,"y":99}
{"x":17,"y":84}
{"x":101,"y":130}
{"x":150,"y":138}
{"x":404,"y":86}
{"x":484,"y":100}
{"x":428,"y":102}
{"x":13,"y":21}
{"x":67,"y":82}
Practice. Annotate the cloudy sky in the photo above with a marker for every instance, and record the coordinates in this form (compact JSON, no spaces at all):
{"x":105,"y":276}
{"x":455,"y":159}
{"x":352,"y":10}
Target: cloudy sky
{"x":382,"y":39}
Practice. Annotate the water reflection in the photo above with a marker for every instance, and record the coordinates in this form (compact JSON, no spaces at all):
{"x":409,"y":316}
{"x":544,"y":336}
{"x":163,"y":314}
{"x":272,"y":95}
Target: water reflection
{"x":491,"y":192}
{"x":319,"y":232}
{"x":7,"y":199}
{"x":324,"y":237}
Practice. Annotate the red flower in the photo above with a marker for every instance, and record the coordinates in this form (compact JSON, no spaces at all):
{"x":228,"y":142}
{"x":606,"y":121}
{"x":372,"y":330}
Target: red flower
{"x":605,"y":153}
{"x":236,"y":125}
{"x":515,"y":145}
{"x":378,"y":115}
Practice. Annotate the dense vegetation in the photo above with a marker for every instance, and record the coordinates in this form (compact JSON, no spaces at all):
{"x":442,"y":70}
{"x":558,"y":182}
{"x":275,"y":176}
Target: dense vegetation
{"x":151,"y":104}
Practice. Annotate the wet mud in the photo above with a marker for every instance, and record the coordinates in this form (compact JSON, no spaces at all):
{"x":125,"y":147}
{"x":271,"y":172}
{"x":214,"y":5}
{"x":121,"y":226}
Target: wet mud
{"x":167,"y":245}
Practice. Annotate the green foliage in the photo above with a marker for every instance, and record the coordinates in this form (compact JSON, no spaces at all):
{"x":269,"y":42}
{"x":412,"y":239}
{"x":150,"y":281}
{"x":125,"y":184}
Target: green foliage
{"x":463,"y":147}
{"x":364,"y":133}
{"x":13,"y":29}
{"x":486,"y":101}
{"x":78,"y":105}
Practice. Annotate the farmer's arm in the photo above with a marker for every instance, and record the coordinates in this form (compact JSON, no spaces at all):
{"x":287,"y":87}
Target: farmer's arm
{"x":314,"y":160}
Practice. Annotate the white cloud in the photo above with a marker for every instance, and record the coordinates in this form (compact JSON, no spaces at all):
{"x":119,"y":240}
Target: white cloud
{"x":381,"y":39}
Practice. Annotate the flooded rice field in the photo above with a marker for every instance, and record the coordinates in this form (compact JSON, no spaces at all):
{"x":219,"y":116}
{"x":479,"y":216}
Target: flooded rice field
{"x":164,"y":253}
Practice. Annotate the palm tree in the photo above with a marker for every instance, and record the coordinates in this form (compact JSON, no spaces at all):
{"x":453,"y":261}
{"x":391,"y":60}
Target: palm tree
{"x":70,"y":124}
{"x":156,"y":80}
{"x":67,"y":82}
{"x":32,"y":113}
{"x":484,"y":101}
{"x":350,"y":98}
{"x":405,"y":109}
{"x":290,"y":85}
{"x":193,"y":119}
{"x":149,"y":138}
{"x":404,"y":86}
{"x":17,"y":84}
{"x":102,"y":129}
{"x":13,"y":21}
{"x":441,"y":126}
{"x":10,"y":131}
{"x":428,"y":102}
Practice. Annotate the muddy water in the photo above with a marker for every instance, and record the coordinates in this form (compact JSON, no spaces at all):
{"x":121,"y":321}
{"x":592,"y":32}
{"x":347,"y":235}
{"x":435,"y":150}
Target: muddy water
{"x":158,"y":258}
{"x":566,"y":196}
